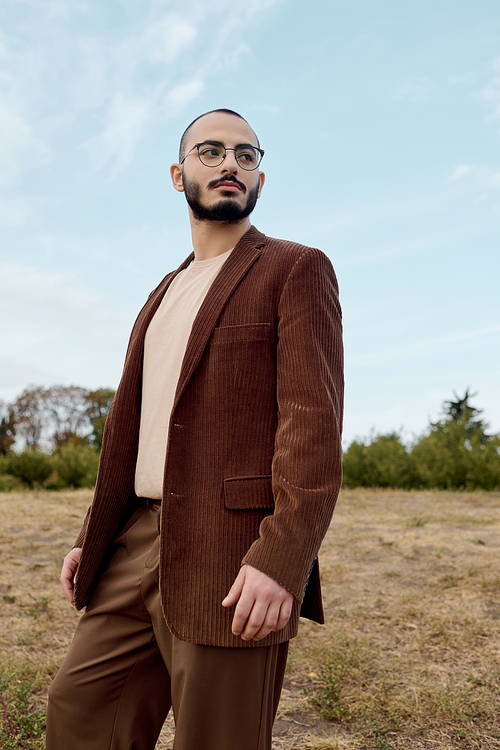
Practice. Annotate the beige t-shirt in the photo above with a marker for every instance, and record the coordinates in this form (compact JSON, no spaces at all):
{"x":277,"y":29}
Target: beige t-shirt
{"x":164,"y":349}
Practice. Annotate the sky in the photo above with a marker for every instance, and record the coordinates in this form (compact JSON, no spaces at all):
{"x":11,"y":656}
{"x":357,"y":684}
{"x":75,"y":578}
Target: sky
{"x":381,"y":125}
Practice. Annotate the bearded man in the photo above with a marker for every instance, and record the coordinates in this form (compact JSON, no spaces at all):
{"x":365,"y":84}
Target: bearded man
{"x":219,"y":472}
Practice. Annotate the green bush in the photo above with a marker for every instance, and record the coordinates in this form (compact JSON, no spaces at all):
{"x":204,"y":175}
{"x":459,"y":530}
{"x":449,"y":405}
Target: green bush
{"x":76,"y":466}
{"x":383,"y":462}
{"x":33,"y":468}
{"x":448,"y":458}
{"x":456,"y":453}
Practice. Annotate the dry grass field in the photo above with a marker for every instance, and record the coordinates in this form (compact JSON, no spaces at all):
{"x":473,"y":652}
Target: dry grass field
{"x":410,"y":655}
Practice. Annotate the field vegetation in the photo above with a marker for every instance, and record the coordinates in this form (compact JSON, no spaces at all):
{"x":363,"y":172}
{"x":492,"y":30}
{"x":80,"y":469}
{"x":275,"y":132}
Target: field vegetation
{"x":409,"y":657}
{"x":61,"y":429}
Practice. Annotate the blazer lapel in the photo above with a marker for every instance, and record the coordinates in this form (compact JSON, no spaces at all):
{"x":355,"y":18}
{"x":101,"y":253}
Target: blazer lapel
{"x":241,"y":259}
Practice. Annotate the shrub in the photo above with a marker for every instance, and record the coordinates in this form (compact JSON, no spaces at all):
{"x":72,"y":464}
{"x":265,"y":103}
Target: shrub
{"x":76,"y":466}
{"x":383,"y":462}
{"x":455,"y":456}
{"x":31,"y":467}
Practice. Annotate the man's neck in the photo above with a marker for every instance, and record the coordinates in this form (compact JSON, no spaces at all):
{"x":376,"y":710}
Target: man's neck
{"x":212,"y":238}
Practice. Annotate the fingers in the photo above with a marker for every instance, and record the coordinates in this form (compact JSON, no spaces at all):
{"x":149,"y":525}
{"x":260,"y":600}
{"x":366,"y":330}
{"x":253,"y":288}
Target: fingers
{"x":262,"y":605}
{"x":275,"y":619}
{"x":235,"y":590}
{"x":70,"y":564}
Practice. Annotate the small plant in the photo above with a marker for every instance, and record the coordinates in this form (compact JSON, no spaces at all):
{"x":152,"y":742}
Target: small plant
{"x":382,"y":744}
{"x":329,"y":698}
{"x":37,"y":608}
{"x":417,"y":523}
{"x":22,"y":724}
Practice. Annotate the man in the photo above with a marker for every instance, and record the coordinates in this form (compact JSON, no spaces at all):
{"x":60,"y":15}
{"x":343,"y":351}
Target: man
{"x":220,"y":468}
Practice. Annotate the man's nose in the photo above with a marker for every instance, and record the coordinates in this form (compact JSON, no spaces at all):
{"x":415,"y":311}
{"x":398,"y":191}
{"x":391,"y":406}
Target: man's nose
{"x":229,"y":163}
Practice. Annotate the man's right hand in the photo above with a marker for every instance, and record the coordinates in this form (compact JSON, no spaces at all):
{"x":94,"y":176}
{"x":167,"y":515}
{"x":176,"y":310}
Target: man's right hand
{"x":68,"y":571}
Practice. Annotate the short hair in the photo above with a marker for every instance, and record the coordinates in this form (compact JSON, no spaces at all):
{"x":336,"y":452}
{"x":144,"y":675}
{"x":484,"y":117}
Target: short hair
{"x":182,"y":147}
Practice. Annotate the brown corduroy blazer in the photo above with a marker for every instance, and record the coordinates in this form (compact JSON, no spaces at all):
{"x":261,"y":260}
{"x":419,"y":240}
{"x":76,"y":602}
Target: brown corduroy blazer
{"x":253,"y":465}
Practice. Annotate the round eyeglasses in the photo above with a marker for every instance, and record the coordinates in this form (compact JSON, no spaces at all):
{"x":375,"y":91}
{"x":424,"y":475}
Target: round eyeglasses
{"x":212,"y":154}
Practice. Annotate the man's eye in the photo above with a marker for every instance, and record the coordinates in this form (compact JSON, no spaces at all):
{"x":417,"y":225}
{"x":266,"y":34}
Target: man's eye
{"x":210,"y":151}
{"x":246,"y":156}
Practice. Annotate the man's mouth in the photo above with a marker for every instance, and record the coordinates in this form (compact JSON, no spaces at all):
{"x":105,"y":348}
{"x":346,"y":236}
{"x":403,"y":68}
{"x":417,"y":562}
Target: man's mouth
{"x":228,"y":185}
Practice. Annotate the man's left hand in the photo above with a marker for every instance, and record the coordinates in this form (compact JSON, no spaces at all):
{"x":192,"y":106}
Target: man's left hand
{"x":262,"y":605}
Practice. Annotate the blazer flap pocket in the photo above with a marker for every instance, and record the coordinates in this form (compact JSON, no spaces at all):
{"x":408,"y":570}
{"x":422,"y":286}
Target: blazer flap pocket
{"x":245,"y":332}
{"x":248,"y":492}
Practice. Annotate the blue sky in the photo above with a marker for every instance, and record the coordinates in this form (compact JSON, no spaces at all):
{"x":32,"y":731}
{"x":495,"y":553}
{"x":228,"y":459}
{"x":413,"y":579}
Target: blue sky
{"x":381,"y":125}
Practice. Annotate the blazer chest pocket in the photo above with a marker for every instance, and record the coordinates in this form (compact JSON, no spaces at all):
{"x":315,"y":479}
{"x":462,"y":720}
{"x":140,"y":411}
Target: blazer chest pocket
{"x":246,"y":493}
{"x":241,"y":333}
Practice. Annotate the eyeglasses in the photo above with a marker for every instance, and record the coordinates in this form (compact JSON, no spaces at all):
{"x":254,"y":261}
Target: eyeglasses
{"x":212,"y":154}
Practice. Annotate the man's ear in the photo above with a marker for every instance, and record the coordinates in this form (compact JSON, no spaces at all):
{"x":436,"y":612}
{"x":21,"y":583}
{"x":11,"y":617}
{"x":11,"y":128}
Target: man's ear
{"x":262,"y":178}
{"x":176,"y":175}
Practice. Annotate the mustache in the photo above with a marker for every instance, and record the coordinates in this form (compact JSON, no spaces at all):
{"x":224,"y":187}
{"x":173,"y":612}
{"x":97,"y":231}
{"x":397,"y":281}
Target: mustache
{"x":214,"y":183}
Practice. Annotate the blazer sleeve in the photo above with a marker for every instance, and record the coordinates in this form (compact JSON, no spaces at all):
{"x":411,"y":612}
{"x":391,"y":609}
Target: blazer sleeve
{"x":307,"y":461}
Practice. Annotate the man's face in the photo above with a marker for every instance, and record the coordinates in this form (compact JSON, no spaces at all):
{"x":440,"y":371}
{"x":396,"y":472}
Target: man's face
{"x":225,"y":193}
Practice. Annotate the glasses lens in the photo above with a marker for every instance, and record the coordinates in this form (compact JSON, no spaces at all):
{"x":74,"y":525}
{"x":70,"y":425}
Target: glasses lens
{"x":248,"y":157}
{"x":211,"y":155}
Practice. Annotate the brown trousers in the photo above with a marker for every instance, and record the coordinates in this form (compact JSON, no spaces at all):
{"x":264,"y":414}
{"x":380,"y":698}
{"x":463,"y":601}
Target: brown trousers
{"x":125,"y":670}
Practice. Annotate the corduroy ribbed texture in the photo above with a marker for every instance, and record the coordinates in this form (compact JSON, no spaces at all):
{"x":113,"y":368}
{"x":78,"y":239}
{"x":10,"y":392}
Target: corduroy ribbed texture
{"x":253,"y":463}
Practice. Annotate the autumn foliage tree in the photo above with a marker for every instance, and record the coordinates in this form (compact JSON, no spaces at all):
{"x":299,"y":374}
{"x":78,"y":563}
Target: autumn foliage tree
{"x":49,"y":418}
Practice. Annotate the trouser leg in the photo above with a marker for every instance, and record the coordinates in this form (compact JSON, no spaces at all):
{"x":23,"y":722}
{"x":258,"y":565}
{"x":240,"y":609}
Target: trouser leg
{"x":222,"y":698}
{"x":124,"y":670}
{"x":113,"y":689}
{"x":225,"y":698}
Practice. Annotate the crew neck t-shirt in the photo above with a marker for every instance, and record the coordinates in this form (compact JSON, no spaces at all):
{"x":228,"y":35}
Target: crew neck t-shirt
{"x":164,"y":348}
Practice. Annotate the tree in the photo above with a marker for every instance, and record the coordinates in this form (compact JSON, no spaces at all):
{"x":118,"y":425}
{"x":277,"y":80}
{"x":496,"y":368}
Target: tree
{"x":7,"y":427}
{"x":29,"y":416}
{"x":98,"y":406}
{"x":458,"y":452}
{"x":382,"y":462}
{"x":66,"y":410}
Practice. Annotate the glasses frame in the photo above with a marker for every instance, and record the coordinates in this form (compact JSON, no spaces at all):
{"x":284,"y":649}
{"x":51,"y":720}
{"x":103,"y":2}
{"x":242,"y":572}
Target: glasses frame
{"x":219,"y":145}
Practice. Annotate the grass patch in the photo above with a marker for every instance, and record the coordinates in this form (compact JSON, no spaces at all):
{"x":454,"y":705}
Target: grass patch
{"x":408,"y":658}
{"x":22,"y":715}
{"x":409,"y":655}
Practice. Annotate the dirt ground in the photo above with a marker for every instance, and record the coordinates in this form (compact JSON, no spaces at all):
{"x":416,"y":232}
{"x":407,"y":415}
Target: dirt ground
{"x":410,"y":654}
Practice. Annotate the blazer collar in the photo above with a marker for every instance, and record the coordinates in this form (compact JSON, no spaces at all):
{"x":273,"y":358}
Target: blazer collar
{"x":244,"y":255}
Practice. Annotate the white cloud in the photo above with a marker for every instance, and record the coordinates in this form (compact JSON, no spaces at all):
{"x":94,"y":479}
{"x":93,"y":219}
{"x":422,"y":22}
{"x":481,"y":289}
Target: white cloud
{"x":58,"y":331}
{"x":47,"y":304}
{"x":415,"y":89}
{"x":20,"y":148}
{"x":180,"y":96}
{"x":484,"y":176}
{"x":67,"y":64}
{"x":14,"y":210}
{"x":461,"y":171}
{"x":170,"y":37}
{"x":28,"y":285}
{"x":491,"y":92}
{"x":408,"y":351}
{"x":125,"y":124}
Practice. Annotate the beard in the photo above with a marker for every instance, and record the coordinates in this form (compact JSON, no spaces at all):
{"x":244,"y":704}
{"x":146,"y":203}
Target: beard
{"x":227,"y":209}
